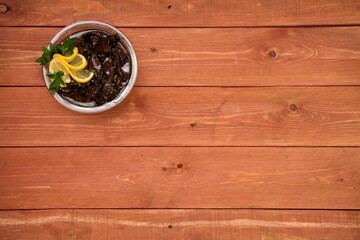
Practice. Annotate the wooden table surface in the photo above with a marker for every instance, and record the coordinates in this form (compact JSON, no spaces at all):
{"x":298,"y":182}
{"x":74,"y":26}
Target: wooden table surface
{"x":244,"y":124}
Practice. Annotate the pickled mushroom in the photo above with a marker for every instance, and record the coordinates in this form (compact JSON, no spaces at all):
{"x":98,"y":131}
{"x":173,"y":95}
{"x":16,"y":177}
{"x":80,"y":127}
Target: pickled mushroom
{"x":110,"y":62}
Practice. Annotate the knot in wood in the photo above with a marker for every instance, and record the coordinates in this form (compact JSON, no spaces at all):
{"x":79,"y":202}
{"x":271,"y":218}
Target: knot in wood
{"x":271,"y":54}
{"x":193,"y":124}
{"x":3,"y":8}
{"x":293,"y":107}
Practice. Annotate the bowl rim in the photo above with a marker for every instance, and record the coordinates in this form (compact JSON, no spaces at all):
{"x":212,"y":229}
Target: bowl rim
{"x":122,"y":95}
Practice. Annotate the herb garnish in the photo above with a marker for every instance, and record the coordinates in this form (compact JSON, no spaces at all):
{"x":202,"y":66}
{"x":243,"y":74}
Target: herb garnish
{"x":57,"y":81}
{"x":66,"y":48}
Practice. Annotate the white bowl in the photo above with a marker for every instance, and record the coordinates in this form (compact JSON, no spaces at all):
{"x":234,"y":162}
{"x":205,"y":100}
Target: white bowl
{"x":95,"y":25}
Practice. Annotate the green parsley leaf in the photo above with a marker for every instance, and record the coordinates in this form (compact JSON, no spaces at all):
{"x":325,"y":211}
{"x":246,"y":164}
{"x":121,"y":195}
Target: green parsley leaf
{"x":47,"y":53}
{"x":67,"y":46}
{"x":42,"y":61}
{"x":57,"y":81}
{"x":53,"y":48}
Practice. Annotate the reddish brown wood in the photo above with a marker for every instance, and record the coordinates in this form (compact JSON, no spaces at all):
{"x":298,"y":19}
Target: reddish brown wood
{"x":176,"y":177}
{"x":166,"y":116}
{"x":3,"y":8}
{"x":188,"y":177}
{"x":183,"y":13}
{"x":179,"y":224}
{"x":213,"y":57}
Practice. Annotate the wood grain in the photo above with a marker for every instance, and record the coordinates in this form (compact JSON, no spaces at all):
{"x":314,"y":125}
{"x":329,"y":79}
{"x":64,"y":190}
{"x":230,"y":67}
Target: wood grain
{"x":179,"y":177}
{"x":184,"y":224}
{"x":170,"y":116}
{"x":53,"y":158}
{"x":178,"y":13}
{"x":210,"y":57}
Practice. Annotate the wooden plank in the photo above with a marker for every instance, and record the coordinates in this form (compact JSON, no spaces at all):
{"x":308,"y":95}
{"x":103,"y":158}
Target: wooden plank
{"x":213,"y":57}
{"x":178,"y":13}
{"x":170,"y":116}
{"x":179,"y":177}
{"x":179,"y":224}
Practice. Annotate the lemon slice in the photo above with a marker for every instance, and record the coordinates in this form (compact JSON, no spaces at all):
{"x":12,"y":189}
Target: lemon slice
{"x":68,"y":58}
{"x":56,"y":66}
{"x":79,"y":62}
{"x":81,"y":76}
